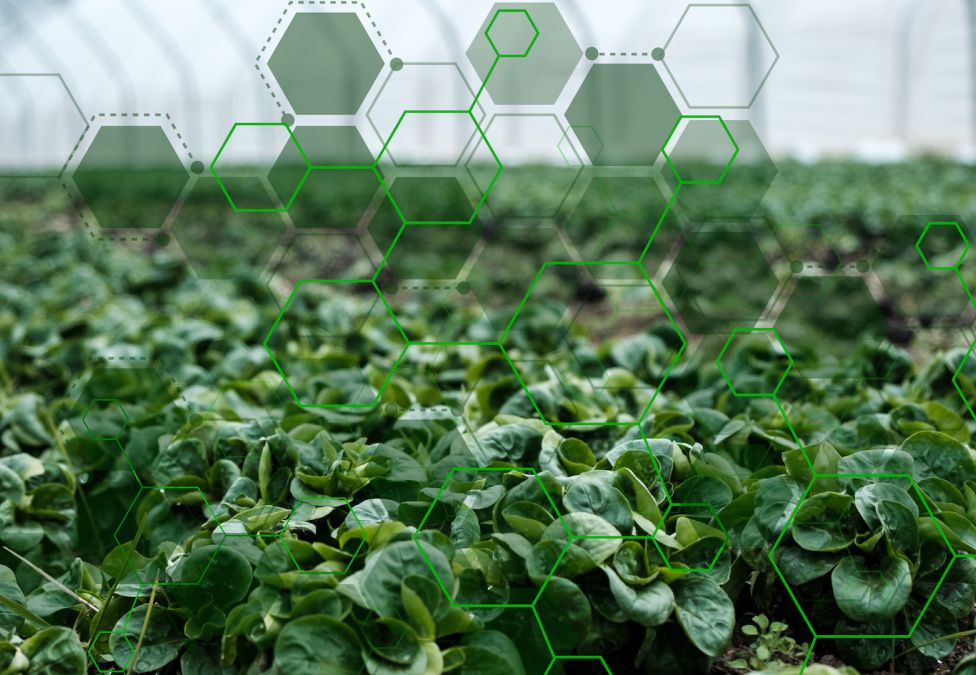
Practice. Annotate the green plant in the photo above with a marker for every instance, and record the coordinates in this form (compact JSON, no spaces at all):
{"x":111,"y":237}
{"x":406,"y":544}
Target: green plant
{"x":770,"y":646}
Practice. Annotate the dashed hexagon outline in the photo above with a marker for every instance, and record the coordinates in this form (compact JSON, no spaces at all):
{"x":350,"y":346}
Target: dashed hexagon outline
{"x":667,"y":313}
{"x":759,"y":86}
{"x":928,"y":510}
{"x":386,"y":381}
{"x":311,"y":501}
{"x":728,"y":380}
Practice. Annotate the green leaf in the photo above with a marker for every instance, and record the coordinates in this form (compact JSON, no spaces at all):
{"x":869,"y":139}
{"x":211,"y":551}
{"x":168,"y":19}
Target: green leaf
{"x":649,"y":605}
{"x":940,"y":455}
{"x":160,"y":645}
{"x":822,"y":522}
{"x":317,"y":643}
{"x":866,"y":593}
{"x":705,"y":613}
{"x":55,"y":651}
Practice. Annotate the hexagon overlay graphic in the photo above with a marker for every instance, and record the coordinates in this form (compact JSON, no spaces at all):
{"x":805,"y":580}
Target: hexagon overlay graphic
{"x":316,"y":523}
{"x":712,"y":295}
{"x":341,"y":184}
{"x":220,"y":242}
{"x":942,"y":245}
{"x":540,"y":75}
{"x":105,"y":419}
{"x":622,"y":114}
{"x":743,"y":186}
{"x":45,"y":152}
{"x":534,"y":149}
{"x":130,"y":177}
{"x":718,"y":32}
{"x":256,"y":186}
{"x":752,"y":347}
{"x":316,"y":346}
{"x":615,"y":217}
{"x":619,"y":307}
{"x":325,"y":63}
{"x":425,"y":167}
{"x":844,"y":588}
{"x":700,"y":150}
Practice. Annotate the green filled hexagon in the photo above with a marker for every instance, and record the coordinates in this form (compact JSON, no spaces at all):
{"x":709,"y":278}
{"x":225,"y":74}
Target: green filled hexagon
{"x":117,"y":667}
{"x":843,"y":555}
{"x":506,"y":491}
{"x":700,"y":150}
{"x":325,"y":63}
{"x":529,"y":71}
{"x":314,"y":552}
{"x":105,"y":419}
{"x":758,"y":364}
{"x":130,"y":177}
{"x":622,"y":114}
{"x":617,"y":310}
{"x":161,"y":515}
{"x":316,"y":346}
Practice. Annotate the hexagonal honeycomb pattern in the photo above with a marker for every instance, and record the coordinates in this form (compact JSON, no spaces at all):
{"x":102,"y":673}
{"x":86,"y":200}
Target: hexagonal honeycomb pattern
{"x":743,"y":362}
{"x":700,"y":150}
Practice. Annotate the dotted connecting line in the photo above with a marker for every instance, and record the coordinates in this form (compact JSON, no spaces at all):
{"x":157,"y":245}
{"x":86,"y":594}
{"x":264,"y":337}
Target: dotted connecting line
{"x":281,"y":20}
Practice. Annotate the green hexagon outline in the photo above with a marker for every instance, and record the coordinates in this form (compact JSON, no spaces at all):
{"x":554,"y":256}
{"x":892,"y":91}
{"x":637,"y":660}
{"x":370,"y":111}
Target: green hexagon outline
{"x":728,"y":343}
{"x":389,"y":376}
{"x":718,"y":520}
{"x":308,"y":500}
{"x":942,"y":268}
{"x":674,"y":169}
{"x":84,"y":418}
{"x":928,"y":510}
{"x":430,"y":565}
{"x":223,"y":188}
{"x":955,"y":381}
{"x":491,"y":23}
{"x":478,"y":132}
{"x":169,"y":584}
{"x":664,"y":377}
{"x":122,"y":667}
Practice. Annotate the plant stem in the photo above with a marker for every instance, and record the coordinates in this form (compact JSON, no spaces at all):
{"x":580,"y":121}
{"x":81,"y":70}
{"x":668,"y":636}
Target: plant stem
{"x":949,"y":636}
{"x":145,"y":625}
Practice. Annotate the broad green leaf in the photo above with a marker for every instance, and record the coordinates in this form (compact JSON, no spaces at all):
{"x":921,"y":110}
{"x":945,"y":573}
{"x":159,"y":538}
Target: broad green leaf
{"x":649,"y":605}
{"x":705,"y":613}
{"x":315,"y":644}
{"x":161,"y":643}
{"x":822,"y":522}
{"x":871,"y":593}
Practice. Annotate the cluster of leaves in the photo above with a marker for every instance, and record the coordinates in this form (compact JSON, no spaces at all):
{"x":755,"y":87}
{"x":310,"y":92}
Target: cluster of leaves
{"x":222,"y":528}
